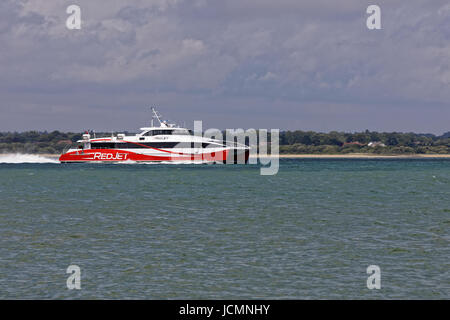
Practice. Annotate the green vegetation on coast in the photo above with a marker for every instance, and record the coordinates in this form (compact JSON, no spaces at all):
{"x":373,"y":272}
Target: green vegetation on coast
{"x":393,"y":143}
{"x":36,"y":142}
{"x":291,"y":142}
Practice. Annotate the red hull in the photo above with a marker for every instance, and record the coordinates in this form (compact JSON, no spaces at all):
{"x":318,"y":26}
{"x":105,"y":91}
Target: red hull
{"x":109,"y":155}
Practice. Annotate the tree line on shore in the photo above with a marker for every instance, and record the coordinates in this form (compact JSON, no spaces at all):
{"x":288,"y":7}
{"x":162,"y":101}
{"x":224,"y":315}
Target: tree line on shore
{"x":301,"y":142}
{"x":291,"y":142}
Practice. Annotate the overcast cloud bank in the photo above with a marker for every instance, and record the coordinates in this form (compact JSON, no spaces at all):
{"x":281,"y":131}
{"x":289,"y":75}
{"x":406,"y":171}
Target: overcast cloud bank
{"x":310,"y":65}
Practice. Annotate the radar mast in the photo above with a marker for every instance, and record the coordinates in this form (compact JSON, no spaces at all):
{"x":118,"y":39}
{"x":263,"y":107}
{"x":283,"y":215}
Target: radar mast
{"x":157,"y":116}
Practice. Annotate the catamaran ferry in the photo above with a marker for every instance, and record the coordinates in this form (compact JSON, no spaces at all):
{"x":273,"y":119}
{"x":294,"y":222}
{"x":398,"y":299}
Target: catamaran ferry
{"x":166,"y":143}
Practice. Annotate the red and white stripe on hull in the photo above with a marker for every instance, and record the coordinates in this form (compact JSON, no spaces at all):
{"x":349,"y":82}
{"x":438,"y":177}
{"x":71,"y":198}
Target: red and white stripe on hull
{"x":110,"y":155}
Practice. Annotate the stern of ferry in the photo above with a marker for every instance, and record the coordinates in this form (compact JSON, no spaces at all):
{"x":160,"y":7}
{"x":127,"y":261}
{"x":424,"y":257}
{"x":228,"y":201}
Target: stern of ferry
{"x":237,"y":154}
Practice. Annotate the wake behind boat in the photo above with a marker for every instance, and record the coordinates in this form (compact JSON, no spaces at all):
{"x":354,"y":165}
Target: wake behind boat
{"x":167,"y":143}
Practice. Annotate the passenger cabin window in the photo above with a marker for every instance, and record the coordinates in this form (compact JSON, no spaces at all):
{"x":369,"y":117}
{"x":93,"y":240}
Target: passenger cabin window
{"x":182,"y":132}
{"x":158,"y":132}
{"x":168,"y":132}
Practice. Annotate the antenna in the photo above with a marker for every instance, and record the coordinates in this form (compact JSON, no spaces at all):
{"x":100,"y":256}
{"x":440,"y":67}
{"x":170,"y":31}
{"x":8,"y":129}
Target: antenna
{"x":157,"y":116}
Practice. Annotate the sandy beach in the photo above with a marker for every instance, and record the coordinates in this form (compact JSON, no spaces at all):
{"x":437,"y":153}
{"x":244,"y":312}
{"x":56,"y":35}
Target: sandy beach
{"x":359,"y":156}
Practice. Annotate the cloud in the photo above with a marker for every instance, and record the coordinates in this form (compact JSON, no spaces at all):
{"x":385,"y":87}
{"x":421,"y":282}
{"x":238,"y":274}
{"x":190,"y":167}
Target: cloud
{"x":315,"y":54}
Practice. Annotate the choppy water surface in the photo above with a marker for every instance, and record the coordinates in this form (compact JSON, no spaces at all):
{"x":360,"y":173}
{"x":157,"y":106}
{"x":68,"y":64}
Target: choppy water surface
{"x":212,"y":231}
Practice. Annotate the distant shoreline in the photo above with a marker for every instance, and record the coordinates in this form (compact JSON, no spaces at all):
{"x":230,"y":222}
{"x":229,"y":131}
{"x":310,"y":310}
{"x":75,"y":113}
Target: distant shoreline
{"x":360,"y":156}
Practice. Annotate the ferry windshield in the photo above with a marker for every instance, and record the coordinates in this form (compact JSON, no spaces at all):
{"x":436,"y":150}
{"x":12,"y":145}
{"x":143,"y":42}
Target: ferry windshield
{"x":83,"y":145}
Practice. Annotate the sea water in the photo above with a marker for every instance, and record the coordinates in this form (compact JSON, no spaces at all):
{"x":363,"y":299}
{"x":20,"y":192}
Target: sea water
{"x":225,"y":231}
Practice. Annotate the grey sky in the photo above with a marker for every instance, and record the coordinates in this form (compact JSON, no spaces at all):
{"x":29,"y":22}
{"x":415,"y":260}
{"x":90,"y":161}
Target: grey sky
{"x":310,"y":65}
